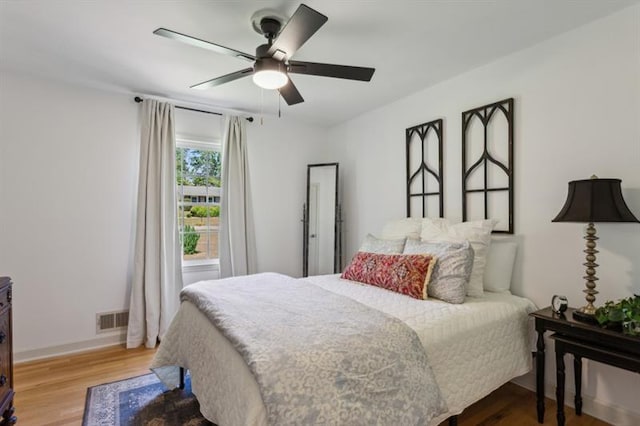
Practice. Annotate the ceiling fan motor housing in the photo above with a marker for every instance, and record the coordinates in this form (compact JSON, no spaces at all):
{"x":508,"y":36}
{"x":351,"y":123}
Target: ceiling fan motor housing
{"x":269,"y":64}
{"x":261,"y":51}
{"x":270,"y":27}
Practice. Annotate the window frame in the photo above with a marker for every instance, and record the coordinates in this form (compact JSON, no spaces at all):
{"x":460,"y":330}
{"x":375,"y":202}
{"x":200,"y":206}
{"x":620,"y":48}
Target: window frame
{"x":209,"y":144}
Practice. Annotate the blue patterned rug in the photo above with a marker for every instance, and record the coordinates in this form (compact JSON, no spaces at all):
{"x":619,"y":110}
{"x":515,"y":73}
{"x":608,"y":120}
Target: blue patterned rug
{"x":141,"y":400}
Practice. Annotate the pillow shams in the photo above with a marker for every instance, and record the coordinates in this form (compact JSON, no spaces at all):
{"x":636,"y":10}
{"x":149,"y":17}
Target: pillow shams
{"x":404,"y":274}
{"x":408,"y":227}
{"x":452,"y":271}
{"x":372,"y":244}
{"x":478,"y":233}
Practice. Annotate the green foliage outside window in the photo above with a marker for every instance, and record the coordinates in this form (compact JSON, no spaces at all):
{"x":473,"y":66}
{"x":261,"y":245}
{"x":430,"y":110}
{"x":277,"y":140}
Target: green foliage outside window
{"x":202,"y":211}
{"x":190,"y":240}
{"x":198,"y":167}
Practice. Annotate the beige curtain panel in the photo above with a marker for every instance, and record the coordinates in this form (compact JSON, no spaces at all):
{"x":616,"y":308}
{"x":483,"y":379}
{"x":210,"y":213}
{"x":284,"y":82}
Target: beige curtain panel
{"x":237,"y":236}
{"x":157,"y":275}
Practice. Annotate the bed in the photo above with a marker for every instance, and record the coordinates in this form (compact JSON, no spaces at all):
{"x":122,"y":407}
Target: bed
{"x":473,"y":348}
{"x":472,"y":334}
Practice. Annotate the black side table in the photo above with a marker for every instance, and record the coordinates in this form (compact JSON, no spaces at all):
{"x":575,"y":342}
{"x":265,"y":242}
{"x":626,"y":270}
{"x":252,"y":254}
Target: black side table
{"x":582,"y":340}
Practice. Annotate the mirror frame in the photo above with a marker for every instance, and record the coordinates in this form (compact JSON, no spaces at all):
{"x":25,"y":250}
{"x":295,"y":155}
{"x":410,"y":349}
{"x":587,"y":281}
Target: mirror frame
{"x":337,"y":244}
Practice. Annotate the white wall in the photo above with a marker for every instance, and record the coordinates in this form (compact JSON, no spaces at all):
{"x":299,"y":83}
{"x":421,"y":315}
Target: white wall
{"x":577,"y":112}
{"x":68,"y":182}
{"x":279,"y":151}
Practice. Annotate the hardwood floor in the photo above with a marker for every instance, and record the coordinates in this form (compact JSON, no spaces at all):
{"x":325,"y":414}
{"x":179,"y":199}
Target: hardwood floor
{"x":52,"y":391}
{"x":512,"y":405}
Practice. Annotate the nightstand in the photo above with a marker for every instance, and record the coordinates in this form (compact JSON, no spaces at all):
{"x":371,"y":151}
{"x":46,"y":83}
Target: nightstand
{"x":583,"y":341}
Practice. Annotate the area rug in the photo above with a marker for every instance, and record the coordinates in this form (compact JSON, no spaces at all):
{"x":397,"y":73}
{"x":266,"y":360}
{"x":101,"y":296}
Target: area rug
{"x":141,"y":400}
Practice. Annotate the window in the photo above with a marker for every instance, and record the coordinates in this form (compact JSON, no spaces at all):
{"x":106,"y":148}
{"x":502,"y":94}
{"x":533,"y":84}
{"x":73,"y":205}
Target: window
{"x":198,"y":184}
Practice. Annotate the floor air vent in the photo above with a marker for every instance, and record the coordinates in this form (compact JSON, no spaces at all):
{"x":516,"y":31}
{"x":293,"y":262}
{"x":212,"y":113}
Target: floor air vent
{"x":111,"y":321}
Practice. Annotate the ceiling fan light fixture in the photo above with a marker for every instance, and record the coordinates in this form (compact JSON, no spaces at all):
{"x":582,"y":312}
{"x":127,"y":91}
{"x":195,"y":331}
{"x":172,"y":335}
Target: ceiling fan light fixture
{"x":269,"y":74}
{"x":272,"y":60}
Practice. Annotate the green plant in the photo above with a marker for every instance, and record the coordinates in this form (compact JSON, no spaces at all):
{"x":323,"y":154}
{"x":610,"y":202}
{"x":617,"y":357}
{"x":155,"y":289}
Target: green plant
{"x":190,"y":240}
{"x":202,"y":211}
{"x":198,"y":211}
{"x":624,"y":313}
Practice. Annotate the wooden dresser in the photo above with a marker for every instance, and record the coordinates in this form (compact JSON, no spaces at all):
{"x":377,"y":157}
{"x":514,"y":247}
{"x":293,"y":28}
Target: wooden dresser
{"x":6,"y":354}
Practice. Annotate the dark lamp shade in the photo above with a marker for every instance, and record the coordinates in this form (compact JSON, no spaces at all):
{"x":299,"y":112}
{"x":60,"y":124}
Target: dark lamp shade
{"x":595,"y":200}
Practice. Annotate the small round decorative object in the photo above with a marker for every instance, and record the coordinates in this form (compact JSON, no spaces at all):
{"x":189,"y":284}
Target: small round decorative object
{"x":559,"y":304}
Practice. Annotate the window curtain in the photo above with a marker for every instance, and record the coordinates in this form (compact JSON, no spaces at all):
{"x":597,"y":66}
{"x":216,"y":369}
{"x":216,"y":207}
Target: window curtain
{"x":237,"y":238}
{"x":157,"y":272}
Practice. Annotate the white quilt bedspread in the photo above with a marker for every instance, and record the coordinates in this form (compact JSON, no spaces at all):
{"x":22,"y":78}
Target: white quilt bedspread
{"x":473,"y":349}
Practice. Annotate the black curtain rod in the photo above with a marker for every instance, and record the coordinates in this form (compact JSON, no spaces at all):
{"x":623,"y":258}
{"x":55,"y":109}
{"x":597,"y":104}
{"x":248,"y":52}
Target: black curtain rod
{"x":138,"y":99}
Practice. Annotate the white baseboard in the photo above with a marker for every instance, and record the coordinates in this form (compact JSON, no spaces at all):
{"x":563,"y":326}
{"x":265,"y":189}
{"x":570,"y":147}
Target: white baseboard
{"x":610,"y":413}
{"x":69,"y":348}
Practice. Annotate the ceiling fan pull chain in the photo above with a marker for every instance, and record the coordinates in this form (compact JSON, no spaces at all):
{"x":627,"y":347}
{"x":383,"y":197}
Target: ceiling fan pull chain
{"x":279,"y":106}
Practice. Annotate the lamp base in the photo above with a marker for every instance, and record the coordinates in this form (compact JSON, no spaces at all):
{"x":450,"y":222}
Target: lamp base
{"x":584,"y":317}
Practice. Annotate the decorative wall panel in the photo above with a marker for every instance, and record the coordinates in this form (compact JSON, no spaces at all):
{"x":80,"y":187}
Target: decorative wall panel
{"x":487,"y":164}
{"x":425,"y":188}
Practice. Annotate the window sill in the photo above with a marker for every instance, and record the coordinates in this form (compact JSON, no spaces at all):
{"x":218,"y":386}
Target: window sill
{"x":201,"y":265}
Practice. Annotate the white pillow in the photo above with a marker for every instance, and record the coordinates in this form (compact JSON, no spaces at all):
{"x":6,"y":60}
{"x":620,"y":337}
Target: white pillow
{"x":373,"y":244}
{"x":409,"y":227}
{"x":478,"y":233}
{"x":500,"y":261}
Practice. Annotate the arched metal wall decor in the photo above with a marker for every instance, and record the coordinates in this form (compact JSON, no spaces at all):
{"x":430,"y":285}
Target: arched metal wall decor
{"x":422,"y":131}
{"x":485,"y":114}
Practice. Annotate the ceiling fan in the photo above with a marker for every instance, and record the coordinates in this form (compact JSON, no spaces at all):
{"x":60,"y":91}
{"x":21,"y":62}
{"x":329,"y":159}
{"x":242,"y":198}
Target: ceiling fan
{"x":272,"y":62}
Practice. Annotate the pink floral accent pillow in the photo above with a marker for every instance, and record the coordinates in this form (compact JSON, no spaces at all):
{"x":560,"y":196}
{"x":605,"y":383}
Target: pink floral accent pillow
{"x":403,"y":273}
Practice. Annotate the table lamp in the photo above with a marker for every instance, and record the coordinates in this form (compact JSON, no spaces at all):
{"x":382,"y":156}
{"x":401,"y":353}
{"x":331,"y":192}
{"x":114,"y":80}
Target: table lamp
{"x":590,"y":201}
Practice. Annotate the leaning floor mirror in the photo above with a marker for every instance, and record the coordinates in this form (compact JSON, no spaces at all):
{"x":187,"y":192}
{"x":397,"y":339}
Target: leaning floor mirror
{"x":322,"y":247}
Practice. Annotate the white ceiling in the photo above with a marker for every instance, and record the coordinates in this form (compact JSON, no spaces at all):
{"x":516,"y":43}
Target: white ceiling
{"x":412,"y":45}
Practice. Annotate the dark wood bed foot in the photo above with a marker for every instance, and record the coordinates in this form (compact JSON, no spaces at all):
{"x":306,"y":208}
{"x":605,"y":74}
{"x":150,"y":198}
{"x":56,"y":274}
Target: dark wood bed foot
{"x":181,"y":386}
{"x":453,"y":421}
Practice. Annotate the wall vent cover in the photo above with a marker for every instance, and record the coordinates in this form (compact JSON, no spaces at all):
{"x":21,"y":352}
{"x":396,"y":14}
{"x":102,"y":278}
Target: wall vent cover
{"x":111,"y":321}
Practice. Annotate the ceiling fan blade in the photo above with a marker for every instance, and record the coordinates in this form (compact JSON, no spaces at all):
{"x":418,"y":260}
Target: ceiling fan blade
{"x":223,"y":79}
{"x":302,"y":25}
{"x":203,"y":44}
{"x":290,"y":93}
{"x":330,"y":70}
